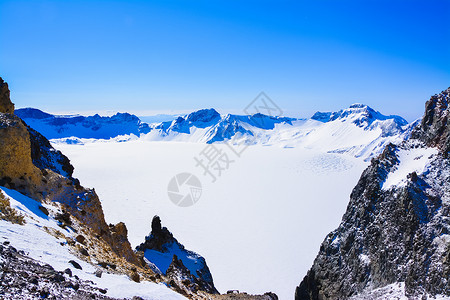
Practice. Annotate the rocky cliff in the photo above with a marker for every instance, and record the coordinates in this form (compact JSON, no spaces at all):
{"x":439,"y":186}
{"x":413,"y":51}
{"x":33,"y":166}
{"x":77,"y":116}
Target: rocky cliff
{"x":395,"y":231}
{"x":33,"y":167}
{"x":6,"y":105}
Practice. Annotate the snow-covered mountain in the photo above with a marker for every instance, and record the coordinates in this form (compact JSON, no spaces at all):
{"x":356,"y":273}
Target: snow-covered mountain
{"x":97,"y":127}
{"x":359,"y":130}
{"x":393,"y":241}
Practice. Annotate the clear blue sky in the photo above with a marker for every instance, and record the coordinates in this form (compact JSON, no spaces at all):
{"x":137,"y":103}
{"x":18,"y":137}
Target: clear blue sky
{"x":181,"y":55}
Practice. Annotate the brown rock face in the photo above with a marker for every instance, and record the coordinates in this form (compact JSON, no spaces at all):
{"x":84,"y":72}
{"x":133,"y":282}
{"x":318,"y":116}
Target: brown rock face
{"x":6,"y":106}
{"x":120,"y":243}
{"x":30,"y":165}
{"x":16,"y":166}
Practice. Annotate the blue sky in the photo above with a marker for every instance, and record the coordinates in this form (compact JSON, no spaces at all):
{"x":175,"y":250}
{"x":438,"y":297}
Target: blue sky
{"x":169,"y":55}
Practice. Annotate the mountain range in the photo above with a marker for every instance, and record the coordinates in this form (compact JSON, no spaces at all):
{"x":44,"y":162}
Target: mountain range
{"x":393,"y":241}
{"x":359,"y":130}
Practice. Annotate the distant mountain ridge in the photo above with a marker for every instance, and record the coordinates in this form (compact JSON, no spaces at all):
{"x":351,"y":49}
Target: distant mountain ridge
{"x":358,"y":130}
{"x":98,"y":127}
{"x":366,"y":115}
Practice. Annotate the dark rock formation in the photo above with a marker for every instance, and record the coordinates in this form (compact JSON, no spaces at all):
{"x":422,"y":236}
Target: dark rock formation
{"x":44,"y":156}
{"x":180,"y":265}
{"x":6,"y":106}
{"x":434,"y":130}
{"x":24,"y":278}
{"x":392,"y":234}
{"x":158,"y":239}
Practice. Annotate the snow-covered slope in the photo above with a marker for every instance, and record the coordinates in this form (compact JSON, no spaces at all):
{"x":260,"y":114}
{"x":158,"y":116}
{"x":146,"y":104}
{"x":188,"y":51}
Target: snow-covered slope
{"x":44,"y":239}
{"x":97,"y":127}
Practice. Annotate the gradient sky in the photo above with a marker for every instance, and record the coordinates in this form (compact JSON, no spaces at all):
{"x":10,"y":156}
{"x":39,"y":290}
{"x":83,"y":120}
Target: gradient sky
{"x":169,"y":55}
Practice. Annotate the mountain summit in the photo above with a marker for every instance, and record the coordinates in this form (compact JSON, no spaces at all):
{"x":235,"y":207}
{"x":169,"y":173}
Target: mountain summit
{"x":361,"y":115}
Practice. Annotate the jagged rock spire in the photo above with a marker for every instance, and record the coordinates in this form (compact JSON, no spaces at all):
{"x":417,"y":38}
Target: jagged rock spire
{"x":434,"y":129}
{"x":6,"y":106}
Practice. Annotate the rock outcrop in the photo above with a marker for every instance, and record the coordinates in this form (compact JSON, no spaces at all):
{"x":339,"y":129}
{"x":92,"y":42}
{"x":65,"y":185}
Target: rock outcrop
{"x":434,"y":129}
{"x":6,"y":106}
{"x":41,"y":281}
{"x":30,"y":165}
{"x":396,"y":227}
{"x":185,"y":269}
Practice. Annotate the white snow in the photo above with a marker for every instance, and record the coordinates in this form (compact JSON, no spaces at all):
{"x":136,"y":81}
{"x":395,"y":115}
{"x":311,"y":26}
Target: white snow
{"x":442,"y":243}
{"x":395,"y":291}
{"x":411,"y":160}
{"x":259,"y":226}
{"x":365,"y":259}
{"x":43,"y":247}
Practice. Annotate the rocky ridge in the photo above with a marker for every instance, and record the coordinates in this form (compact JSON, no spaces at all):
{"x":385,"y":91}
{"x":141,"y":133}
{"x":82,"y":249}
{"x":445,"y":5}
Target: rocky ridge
{"x":397,"y":224}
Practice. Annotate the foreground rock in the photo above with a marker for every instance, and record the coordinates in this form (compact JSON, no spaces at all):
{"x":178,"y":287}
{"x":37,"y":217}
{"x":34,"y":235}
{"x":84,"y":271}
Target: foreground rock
{"x":30,"y":165}
{"x":184,"y":268}
{"x":25,"y":278}
{"x":6,"y":105}
{"x":395,"y":232}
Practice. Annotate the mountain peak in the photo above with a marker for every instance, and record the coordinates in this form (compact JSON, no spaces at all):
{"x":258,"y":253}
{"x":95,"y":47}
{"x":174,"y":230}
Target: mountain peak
{"x":6,"y":106}
{"x":33,"y":113}
{"x":361,"y":115}
{"x":434,"y":127}
{"x":359,"y":105}
{"x":203,"y":115}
